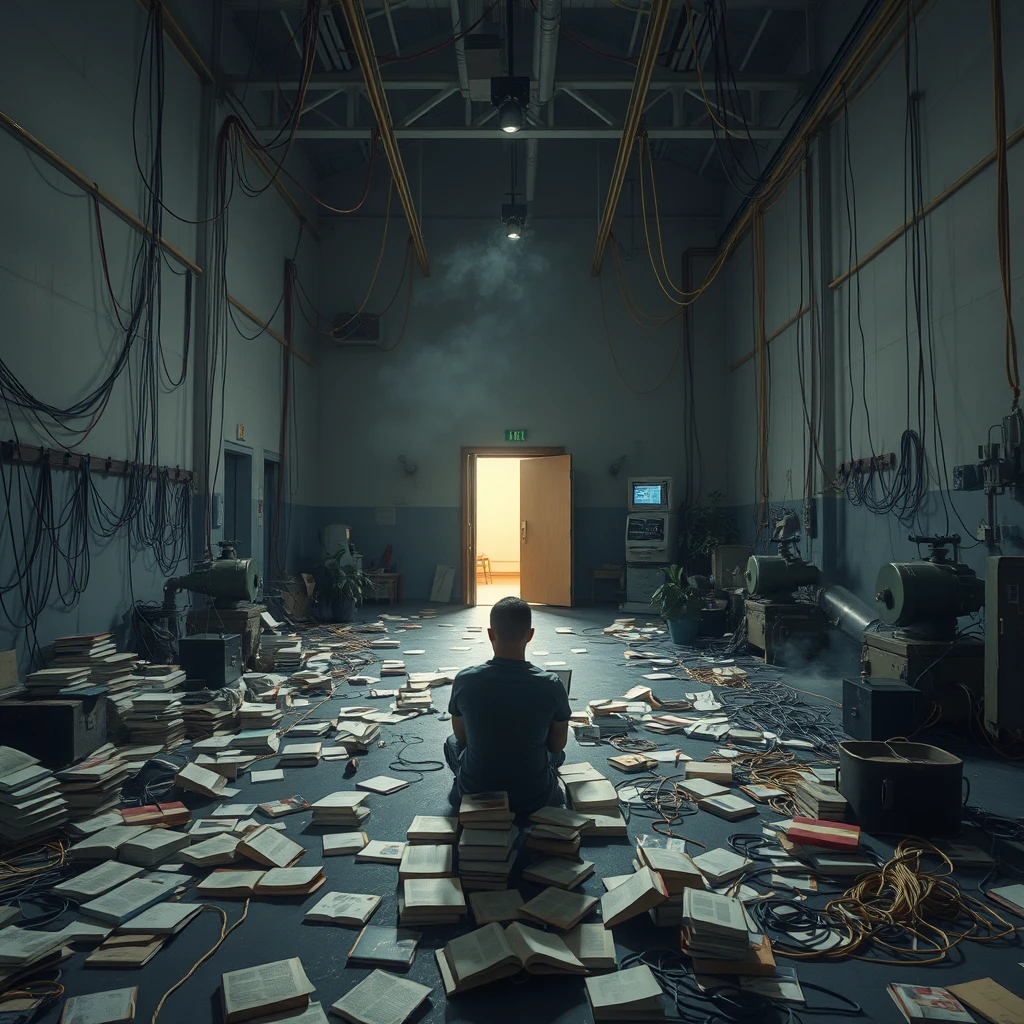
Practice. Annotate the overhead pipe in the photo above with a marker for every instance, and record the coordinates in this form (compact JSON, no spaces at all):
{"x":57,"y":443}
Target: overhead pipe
{"x":634,"y":113}
{"x":460,"y":50}
{"x":362,"y":44}
{"x":545,"y":51}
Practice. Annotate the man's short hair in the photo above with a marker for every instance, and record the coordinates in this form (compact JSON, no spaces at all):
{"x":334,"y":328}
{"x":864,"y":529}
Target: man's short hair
{"x":511,"y":619}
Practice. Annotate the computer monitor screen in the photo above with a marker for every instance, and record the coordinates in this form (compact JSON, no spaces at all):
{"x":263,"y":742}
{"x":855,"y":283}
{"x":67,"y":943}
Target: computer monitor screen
{"x":650,"y":494}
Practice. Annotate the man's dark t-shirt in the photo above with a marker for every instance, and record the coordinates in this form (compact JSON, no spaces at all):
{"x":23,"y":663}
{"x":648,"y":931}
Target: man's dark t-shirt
{"x":508,"y":707}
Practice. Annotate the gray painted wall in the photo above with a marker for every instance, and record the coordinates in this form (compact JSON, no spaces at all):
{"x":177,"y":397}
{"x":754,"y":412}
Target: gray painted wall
{"x":503,"y":335}
{"x":967,"y":319}
{"x":67,"y":75}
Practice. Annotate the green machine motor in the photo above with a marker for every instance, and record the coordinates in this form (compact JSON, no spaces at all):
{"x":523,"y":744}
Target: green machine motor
{"x":926,"y":598}
{"x":230,"y":581}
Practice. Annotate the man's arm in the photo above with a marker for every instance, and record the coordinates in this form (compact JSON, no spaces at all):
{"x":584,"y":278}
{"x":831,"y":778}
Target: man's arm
{"x":459,"y":728}
{"x":558,"y":736}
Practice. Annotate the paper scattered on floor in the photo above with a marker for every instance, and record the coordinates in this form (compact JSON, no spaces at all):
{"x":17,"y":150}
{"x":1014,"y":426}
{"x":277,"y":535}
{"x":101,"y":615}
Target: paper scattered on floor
{"x":414,"y":652}
{"x":460,"y":648}
{"x":271,"y":775}
{"x":579,"y":650}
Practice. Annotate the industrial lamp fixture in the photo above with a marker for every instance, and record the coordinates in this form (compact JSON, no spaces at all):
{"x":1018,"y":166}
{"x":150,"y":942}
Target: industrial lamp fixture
{"x":510,"y":95}
{"x":513,"y":214}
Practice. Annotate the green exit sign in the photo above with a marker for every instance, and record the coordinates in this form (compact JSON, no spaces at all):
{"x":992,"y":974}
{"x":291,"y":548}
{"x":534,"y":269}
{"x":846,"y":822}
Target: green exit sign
{"x":515,"y":435}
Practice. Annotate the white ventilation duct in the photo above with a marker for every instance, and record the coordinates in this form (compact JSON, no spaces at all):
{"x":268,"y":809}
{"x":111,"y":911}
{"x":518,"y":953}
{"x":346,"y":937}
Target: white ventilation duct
{"x":545,"y":50}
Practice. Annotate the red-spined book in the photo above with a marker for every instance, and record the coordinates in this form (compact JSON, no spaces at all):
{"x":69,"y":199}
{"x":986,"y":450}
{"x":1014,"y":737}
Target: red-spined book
{"x":830,"y":835}
{"x":157,"y":815}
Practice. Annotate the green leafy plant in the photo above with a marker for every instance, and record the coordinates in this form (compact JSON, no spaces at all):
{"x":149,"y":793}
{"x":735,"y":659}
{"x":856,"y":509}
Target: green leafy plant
{"x":678,"y":600}
{"x":705,"y":528}
{"x":345,"y":583}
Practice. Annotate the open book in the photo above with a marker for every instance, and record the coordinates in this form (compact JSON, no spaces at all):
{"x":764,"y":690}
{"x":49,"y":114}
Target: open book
{"x":268,"y":988}
{"x":633,"y":994}
{"x":641,"y":892}
{"x":491,"y":953}
{"x":381,"y":998}
{"x":559,"y":908}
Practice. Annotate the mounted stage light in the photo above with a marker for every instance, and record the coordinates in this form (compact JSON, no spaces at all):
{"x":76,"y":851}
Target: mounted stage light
{"x":513,"y":216}
{"x":511,"y":97}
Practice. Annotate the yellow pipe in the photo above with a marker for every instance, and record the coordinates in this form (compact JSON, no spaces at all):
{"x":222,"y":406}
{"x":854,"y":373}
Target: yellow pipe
{"x":656,"y":22}
{"x":362,"y":43}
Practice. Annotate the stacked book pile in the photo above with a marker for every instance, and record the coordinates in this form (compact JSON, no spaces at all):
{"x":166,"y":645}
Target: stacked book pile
{"x":589,"y":790}
{"x":300,"y":755}
{"x":413,"y":699}
{"x":209,"y":716}
{"x":343,"y":808}
{"x":30,"y":803}
{"x":719,"y":937}
{"x":553,"y":840}
{"x":487,"y":843}
{"x":157,"y":846}
{"x":149,"y":676}
{"x":155,"y":718}
{"x":114,"y":671}
{"x":392,"y":668}
{"x":56,"y":682}
{"x":678,"y":873}
{"x":429,"y":828}
{"x":82,"y":651}
{"x":284,"y":651}
{"x":229,"y":763}
{"x":258,"y":716}
{"x":356,"y":735}
{"x":814,"y":800}
{"x":257,"y":741}
{"x":93,"y":786}
{"x":311,"y":729}
{"x":431,"y":901}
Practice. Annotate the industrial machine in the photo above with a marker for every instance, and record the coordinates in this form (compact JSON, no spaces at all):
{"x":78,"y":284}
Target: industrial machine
{"x":650,"y":539}
{"x":1004,"y":643}
{"x":921,"y":603}
{"x":782,"y":624}
{"x":230,"y":585}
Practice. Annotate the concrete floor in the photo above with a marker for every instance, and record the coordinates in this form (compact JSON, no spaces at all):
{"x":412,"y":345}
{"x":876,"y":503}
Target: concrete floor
{"x":275,"y":930}
{"x":490,"y":593}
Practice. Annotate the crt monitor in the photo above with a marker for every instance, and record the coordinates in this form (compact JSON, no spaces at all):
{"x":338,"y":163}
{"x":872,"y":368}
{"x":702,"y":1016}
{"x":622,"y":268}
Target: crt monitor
{"x":650,"y":494}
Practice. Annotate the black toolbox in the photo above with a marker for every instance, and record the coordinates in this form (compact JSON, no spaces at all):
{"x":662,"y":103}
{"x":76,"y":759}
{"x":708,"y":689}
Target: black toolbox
{"x":58,"y":732}
{"x":878,"y":709}
{"x":900,"y":787}
{"x":215,"y":657}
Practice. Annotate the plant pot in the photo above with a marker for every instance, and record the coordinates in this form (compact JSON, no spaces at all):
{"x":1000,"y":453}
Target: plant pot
{"x":713,"y":621}
{"x":343,"y":610}
{"x":683,"y":631}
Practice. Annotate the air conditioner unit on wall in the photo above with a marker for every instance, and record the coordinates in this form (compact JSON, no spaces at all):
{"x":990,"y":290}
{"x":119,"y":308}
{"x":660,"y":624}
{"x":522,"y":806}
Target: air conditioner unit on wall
{"x":356,"y":329}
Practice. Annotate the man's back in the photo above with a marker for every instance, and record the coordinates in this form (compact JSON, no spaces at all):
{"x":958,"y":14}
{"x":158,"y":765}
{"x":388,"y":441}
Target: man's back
{"x":508,"y":707}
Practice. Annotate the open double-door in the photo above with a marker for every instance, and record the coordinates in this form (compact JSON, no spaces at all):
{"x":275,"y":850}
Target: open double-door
{"x":545,"y":523}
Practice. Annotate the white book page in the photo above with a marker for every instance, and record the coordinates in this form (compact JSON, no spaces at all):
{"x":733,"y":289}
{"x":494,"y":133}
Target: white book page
{"x":273,"y":845}
{"x":346,"y":904}
{"x":623,"y":896}
{"x":433,"y":892}
{"x":381,"y":998}
{"x":496,"y":906}
{"x":479,"y":951}
{"x":162,"y":917}
{"x":532,"y":942}
{"x":99,"y":879}
{"x":590,"y":942}
{"x":128,"y":898}
{"x":101,"y":1007}
{"x":264,"y":985}
{"x":620,"y":987}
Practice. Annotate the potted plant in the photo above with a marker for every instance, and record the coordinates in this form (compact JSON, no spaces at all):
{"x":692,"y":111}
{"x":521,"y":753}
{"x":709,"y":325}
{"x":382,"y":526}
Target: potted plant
{"x":705,"y":527}
{"x":680,"y":605}
{"x":346,"y":586}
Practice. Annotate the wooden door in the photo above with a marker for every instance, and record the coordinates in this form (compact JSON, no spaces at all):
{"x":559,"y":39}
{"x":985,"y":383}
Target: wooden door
{"x":545,"y":530}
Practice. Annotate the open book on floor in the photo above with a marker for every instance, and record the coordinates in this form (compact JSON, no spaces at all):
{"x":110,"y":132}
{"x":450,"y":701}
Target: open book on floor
{"x":491,"y":953}
{"x":558,"y":908}
{"x":381,"y":998}
{"x":347,"y":908}
{"x":263,"y":990}
{"x":633,"y":994}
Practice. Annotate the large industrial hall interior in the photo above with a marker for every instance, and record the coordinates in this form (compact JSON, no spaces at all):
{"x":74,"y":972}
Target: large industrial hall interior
{"x":512,"y":510}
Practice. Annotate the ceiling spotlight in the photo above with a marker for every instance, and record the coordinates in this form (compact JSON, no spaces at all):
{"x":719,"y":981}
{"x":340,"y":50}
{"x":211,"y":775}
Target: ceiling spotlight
{"x":510,"y":116}
{"x":513,"y":216}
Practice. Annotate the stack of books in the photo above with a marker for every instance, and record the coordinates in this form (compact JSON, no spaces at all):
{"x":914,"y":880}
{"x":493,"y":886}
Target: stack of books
{"x":818,"y":802}
{"x":157,"y":815}
{"x":114,"y":671}
{"x":55,"y":682}
{"x":30,"y":802}
{"x":563,"y":874}
{"x":719,"y":937}
{"x":93,"y":786}
{"x":155,"y":718}
{"x":486,"y":856}
{"x":284,"y":651}
{"x":356,"y":736}
{"x":828,"y":835}
{"x":343,"y":808}
{"x":425,"y":860}
{"x":300,"y":755}
{"x":82,"y":651}
{"x":720,"y":866}
{"x":429,"y":828}
{"x":588,"y":795}
{"x":204,"y":718}
{"x":308,"y":681}
{"x":229,"y":763}
{"x":257,"y":741}
{"x":678,"y":873}
{"x":151,"y":677}
{"x":392,"y":667}
{"x":413,"y":700}
{"x":485,"y":810}
{"x":157,"y":846}
{"x":553,"y":840}
{"x":431,"y":900}
{"x":258,"y":716}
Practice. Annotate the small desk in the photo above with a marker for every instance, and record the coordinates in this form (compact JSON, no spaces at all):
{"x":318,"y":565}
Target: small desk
{"x":386,"y":585}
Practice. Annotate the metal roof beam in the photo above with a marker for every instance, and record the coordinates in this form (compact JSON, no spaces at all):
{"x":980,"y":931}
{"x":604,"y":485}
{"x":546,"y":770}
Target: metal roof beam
{"x":496,"y":134}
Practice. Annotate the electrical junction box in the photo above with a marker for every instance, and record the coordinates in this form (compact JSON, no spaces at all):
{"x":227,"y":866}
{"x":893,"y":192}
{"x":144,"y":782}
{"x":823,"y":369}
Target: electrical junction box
{"x":217,"y":509}
{"x":879,"y":709}
{"x":1004,"y":642}
{"x":215,"y":657}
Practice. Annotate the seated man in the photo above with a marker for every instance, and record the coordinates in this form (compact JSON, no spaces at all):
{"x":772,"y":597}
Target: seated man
{"x":510,"y":719}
